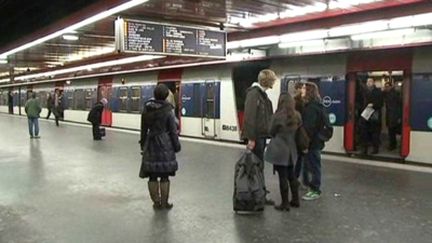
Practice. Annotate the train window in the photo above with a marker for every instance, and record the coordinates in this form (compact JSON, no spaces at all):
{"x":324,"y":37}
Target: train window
{"x":79,"y":100}
{"x":2,"y":98}
{"x":89,"y":94}
{"x":135,"y":98}
{"x":210,"y":100}
{"x":123,"y":96}
{"x":68,"y":99}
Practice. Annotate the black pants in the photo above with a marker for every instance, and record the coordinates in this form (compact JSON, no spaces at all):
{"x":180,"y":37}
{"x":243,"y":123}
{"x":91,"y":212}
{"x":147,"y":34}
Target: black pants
{"x":10,"y":109}
{"x":370,"y":134}
{"x":286,"y":176}
{"x":49,"y":113}
{"x":96,"y":131}
{"x":392,"y":131}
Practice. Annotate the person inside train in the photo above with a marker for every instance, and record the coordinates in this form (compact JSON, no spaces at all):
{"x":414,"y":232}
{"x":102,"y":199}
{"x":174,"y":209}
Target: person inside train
{"x":95,"y":117}
{"x":393,"y":105}
{"x":33,"y":110}
{"x":282,"y":150}
{"x":258,"y":111}
{"x":312,"y":121}
{"x":371,"y":127}
{"x":50,"y":104}
{"x":159,"y":144}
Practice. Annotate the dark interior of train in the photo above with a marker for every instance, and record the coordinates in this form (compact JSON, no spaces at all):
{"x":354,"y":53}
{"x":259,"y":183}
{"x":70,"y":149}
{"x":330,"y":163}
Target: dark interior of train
{"x":388,"y":124}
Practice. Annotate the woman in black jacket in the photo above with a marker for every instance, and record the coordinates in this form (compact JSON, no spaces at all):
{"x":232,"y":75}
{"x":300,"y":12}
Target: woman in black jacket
{"x":282,"y":150}
{"x":95,"y":117}
{"x":159,"y":145}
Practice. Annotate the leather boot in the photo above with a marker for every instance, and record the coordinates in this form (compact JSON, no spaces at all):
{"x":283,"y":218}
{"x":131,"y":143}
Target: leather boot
{"x":284,"y":206}
{"x":295,"y":199}
{"x":164,"y":189}
{"x":153,"y":187}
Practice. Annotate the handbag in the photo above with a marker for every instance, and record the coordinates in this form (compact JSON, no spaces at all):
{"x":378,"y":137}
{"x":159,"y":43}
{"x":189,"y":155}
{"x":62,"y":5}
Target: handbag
{"x":302,"y":139}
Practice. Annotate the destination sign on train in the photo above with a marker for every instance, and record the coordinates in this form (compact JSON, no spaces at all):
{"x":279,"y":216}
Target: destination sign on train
{"x":154,"y":38}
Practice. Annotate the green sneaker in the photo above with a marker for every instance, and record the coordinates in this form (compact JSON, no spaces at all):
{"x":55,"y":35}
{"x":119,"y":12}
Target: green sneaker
{"x":311,"y":195}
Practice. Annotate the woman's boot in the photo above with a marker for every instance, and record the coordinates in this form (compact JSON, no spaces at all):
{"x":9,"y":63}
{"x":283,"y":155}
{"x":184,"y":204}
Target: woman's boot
{"x":164,"y":189}
{"x":284,"y":206}
{"x":295,"y":199}
{"x":153,"y":187}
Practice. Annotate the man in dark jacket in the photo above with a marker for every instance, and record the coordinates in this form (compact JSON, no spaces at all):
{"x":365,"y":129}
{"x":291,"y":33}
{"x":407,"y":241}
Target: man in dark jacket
{"x":257,"y":114}
{"x":371,"y":128}
{"x":95,"y":117}
{"x":10,"y":102}
{"x":50,"y":103}
{"x":393,"y":103}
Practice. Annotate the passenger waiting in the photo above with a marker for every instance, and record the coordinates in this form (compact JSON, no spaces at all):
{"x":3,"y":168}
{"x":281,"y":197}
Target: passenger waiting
{"x":50,"y":104}
{"x":257,"y":115}
{"x":159,"y":144}
{"x":33,"y":109}
{"x":393,"y":103}
{"x":312,"y":121}
{"x":95,"y":117}
{"x":371,"y":127}
{"x":282,"y":150}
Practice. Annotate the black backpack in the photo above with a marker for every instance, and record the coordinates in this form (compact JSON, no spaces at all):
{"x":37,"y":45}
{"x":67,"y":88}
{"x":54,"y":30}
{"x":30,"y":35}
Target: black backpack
{"x":325,"y":132}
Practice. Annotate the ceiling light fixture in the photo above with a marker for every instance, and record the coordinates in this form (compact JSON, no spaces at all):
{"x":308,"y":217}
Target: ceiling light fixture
{"x":70,"y":37}
{"x":90,"y":66}
{"x":76,"y":26}
{"x":383,"y":34}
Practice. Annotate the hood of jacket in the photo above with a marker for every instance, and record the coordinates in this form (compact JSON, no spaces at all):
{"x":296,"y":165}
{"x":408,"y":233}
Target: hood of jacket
{"x":156,"y":109}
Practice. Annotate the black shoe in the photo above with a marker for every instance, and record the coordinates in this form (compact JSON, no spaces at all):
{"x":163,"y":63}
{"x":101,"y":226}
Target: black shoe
{"x":283,"y":207}
{"x":96,"y":139}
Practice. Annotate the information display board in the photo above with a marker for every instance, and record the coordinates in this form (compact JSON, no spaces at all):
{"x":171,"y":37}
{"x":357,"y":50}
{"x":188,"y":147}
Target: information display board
{"x":153,"y":38}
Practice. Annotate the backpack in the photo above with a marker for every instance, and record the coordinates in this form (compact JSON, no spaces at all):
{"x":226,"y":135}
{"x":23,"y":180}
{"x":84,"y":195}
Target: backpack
{"x":325,"y":132}
{"x":249,"y":193}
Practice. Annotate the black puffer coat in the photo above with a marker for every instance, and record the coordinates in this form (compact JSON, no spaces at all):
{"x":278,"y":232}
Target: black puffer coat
{"x":312,"y":121}
{"x":95,"y":114}
{"x":159,"y":140}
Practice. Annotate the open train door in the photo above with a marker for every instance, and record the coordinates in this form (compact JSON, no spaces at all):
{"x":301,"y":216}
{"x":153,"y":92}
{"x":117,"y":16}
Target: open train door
{"x":370,"y":61}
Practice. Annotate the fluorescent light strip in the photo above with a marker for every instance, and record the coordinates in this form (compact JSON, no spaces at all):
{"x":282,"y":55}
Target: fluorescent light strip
{"x":383,"y":34}
{"x":76,"y":26}
{"x":90,"y":66}
{"x":71,"y":37}
{"x":302,"y":43}
{"x":305,"y":35}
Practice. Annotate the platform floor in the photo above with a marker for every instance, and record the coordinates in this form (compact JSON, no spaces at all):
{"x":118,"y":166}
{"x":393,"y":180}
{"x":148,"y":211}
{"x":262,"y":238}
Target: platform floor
{"x":65,"y":187}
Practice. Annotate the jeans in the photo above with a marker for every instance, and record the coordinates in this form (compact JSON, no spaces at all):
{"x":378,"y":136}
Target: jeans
{"x":33,"y":122}
{"x":313,"y":166}
{"x":300,"y":169}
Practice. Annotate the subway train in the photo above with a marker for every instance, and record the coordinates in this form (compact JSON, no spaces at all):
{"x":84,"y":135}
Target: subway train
{"x":210,"y":97}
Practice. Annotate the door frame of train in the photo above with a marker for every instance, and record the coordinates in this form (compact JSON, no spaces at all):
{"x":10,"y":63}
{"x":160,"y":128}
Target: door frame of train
{"x":204,"y":118}
{"x":387,"y":60}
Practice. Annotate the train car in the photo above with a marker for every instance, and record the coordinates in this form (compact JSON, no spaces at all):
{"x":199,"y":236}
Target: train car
{"x":209,"y":99}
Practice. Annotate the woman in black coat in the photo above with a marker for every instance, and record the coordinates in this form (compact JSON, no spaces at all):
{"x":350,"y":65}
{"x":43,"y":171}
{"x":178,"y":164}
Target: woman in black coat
{"x":159,"y":145}
{"x":95,"y":117}
{"x":282,"y":150}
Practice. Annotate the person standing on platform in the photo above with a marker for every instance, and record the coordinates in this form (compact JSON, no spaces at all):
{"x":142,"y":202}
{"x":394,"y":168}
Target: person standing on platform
{"x":159,"y":144}
{"x":312,"y":122}
{"x":371,"y":128}
{"x":33,"y":109}
{"x":393,"y":103}
{"x":95,"y":117}
{"x":258,"y":111}
{"x":58,"y":106}
{"x":50,"y":104}
{"x":282,"y":150}
{"x":10,"y":102}
{"x":299,"y":108}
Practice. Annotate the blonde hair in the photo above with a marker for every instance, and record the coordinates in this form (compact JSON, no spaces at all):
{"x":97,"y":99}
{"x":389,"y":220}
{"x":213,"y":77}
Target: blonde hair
{"x":266,"y":78}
